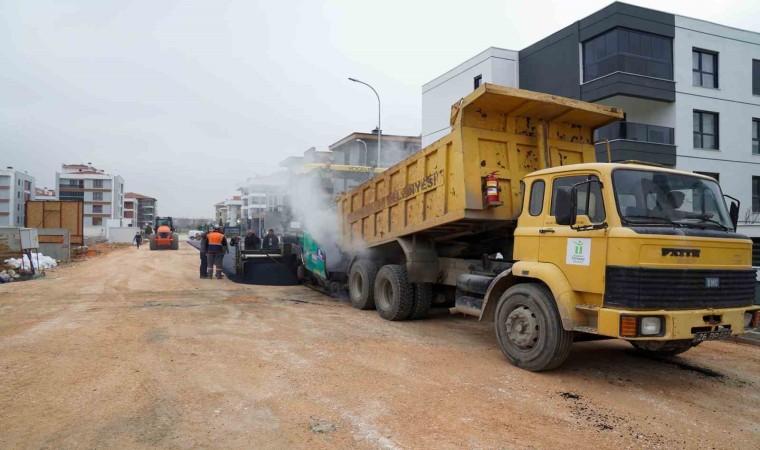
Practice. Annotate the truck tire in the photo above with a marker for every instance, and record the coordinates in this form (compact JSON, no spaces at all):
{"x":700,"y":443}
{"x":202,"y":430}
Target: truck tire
{"x":663,"y":348}
{"x":361,"y":284}
{"x":394,"y":295}
{"x":152,"y":242}
{"x":423,"y":297}
{"x":529,"y":328}
{"x":175,"y":241}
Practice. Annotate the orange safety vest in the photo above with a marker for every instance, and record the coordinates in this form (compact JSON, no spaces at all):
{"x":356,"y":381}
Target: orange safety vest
{"x":215,"y":238}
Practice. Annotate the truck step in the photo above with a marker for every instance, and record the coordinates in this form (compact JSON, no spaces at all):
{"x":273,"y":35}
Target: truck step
{"x":587,"y":307}
{"x":586,"y":329}
{"x":464,"y":304}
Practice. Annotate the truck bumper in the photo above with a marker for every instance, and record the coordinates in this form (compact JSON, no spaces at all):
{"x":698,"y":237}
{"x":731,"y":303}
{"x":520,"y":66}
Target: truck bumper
{"x":675,"y":324}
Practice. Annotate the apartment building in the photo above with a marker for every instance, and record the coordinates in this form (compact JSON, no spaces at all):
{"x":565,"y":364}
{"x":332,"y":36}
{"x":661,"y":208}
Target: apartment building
{"x":360,"y":149}
{"x":102,"y":194}
{"x":15,"y":189}
{"x":44,"y":194}
{"x":234,"y":210}
{"x":262,"y":202}
{"x":493,"y":65}
{"x":220,"y":213}
{"x":690,"y":90}
{"x":144,"y":209}
{"x":130,"y":209}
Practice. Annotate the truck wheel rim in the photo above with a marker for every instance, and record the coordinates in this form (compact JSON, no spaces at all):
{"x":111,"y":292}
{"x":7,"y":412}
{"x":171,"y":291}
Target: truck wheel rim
{"x":357,"y":286}
{"x":522,"y":327}
{"x":386,"y":294}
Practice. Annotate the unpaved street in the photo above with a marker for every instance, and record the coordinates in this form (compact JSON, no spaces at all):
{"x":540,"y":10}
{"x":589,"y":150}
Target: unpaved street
{"x":132,"y":350}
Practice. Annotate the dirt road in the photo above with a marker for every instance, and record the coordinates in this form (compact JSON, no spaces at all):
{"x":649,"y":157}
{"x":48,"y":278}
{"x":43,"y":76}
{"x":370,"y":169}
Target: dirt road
{"x":131,"y":349}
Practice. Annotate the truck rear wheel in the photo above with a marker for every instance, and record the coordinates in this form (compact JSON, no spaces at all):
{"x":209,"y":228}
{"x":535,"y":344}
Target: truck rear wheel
{"x":361,"y":284}
{"x":663,"y":348}
{"x":175,"y":241}
{"x":529,"y":328}
{"x":423,"y":297}
{"x":152,"y":242}
{"x":394,"y":295}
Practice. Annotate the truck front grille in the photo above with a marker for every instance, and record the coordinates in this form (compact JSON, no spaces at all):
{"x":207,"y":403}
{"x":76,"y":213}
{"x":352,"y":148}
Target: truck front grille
{"x":636,"y":287}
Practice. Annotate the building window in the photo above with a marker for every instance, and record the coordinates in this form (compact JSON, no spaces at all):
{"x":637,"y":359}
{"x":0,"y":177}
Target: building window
{"x":476,"y":81}
{"x":97,"y":209}
{"x":705,"y":130}
{"x":97,"y":196}
{"x":756,"y":77}
{"x":713,"y":175}
{"x":623,"y":50}
{"x":756,"y":136}
{"x":97,"y":183}
{"x":73,"y":183}
{"x":97,"y":221}
{"x":704,"y":68}
{"x":755,"y":194}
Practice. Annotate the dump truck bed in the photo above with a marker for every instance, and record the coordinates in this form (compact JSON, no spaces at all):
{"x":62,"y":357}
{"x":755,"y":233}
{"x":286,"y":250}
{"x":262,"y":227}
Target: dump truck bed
{"x":439,"y":191}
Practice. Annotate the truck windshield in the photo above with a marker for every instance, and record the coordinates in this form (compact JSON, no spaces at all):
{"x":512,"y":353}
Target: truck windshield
{"x":668,"y":199}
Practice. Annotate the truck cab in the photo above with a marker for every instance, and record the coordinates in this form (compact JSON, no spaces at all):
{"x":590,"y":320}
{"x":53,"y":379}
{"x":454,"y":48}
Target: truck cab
{"x":630,"y":251}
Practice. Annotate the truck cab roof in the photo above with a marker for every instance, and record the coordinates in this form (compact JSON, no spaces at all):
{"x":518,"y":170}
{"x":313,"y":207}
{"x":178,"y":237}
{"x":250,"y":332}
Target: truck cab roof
{"x":607,"y":168}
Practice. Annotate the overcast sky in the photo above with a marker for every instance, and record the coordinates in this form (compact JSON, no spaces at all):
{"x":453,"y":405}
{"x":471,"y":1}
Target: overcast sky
{"x":185,"y":99}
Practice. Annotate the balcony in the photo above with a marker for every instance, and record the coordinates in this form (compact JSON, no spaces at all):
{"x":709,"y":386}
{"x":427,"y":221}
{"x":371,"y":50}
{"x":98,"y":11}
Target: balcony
{"x":637,"y":141}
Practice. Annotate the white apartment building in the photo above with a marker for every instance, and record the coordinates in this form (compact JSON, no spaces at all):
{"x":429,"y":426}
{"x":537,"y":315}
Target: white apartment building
{"x":102,"y":194}
{"x":234,"y":210}
{"x":690,"y":90}
{"x":15,"y":189}
{"x":493,"y":65}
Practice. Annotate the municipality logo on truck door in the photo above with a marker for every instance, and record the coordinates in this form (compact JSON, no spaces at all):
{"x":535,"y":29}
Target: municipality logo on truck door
{"x":578,"y":252}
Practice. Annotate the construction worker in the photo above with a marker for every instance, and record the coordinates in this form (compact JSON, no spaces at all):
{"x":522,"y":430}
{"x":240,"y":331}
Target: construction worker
{"x":215,"y":250}
{"x":271,"y":241}
{"x":137,"y":239}
{"x":203,"y":247}
{"x":252,"y":242}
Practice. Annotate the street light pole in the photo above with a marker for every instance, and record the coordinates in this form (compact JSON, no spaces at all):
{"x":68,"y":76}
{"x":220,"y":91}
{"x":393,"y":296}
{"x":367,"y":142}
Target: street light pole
{"x":365,"y":152}
{"x":379,"y":129}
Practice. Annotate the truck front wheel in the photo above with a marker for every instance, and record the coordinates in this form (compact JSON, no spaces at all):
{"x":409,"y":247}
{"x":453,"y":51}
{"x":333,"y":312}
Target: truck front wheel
{"x":152,"y":242}
{"x":529,"y":328}
{"x":394,"y":295}
{"x":361,"y":284}
{"x":662,"y":348}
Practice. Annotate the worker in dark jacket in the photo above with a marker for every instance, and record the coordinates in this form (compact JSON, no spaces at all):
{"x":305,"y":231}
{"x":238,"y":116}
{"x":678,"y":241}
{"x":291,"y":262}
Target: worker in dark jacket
{"x":138,"y":239}
{"x":204,"y":262}
{"x":271,"y":241}
{"x":215,"y":250}
{"x":252,"y":242}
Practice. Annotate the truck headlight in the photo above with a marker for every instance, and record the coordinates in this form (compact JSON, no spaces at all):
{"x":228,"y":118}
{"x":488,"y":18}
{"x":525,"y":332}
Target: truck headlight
{"x":651,"y":326}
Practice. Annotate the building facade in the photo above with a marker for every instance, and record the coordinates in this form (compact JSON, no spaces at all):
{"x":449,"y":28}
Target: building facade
{"x":102,"y":194}
{"x":15,"y":189}
{"x":493,"y":65}
{"x":145,"y":209}
{"x":360,"y":149}
{"x":690,"y":90}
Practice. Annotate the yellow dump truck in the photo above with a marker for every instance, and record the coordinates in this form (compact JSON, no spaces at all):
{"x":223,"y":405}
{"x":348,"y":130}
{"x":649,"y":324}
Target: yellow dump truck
{"x":509,"y":219}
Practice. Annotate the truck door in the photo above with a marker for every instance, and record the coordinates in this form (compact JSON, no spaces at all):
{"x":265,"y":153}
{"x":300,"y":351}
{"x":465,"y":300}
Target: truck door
{"x":582,"y":255}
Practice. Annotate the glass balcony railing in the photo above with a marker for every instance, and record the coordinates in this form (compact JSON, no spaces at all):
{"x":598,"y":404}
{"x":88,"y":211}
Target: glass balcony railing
{"x":632,"y":131}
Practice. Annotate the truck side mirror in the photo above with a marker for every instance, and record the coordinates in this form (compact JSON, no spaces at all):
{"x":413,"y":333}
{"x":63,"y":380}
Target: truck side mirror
{"x":565,"y":209}
{"x":733,"y":211}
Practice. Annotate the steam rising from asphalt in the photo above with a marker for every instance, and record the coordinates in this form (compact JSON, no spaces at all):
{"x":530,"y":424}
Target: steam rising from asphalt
{"x":316,"y":210}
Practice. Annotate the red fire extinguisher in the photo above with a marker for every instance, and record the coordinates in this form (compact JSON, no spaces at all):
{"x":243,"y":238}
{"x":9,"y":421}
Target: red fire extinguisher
{"x":492,"y":190}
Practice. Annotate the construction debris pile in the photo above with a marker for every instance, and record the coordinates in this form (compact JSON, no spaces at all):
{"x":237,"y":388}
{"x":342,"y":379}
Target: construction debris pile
{"x":39,"y":261}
